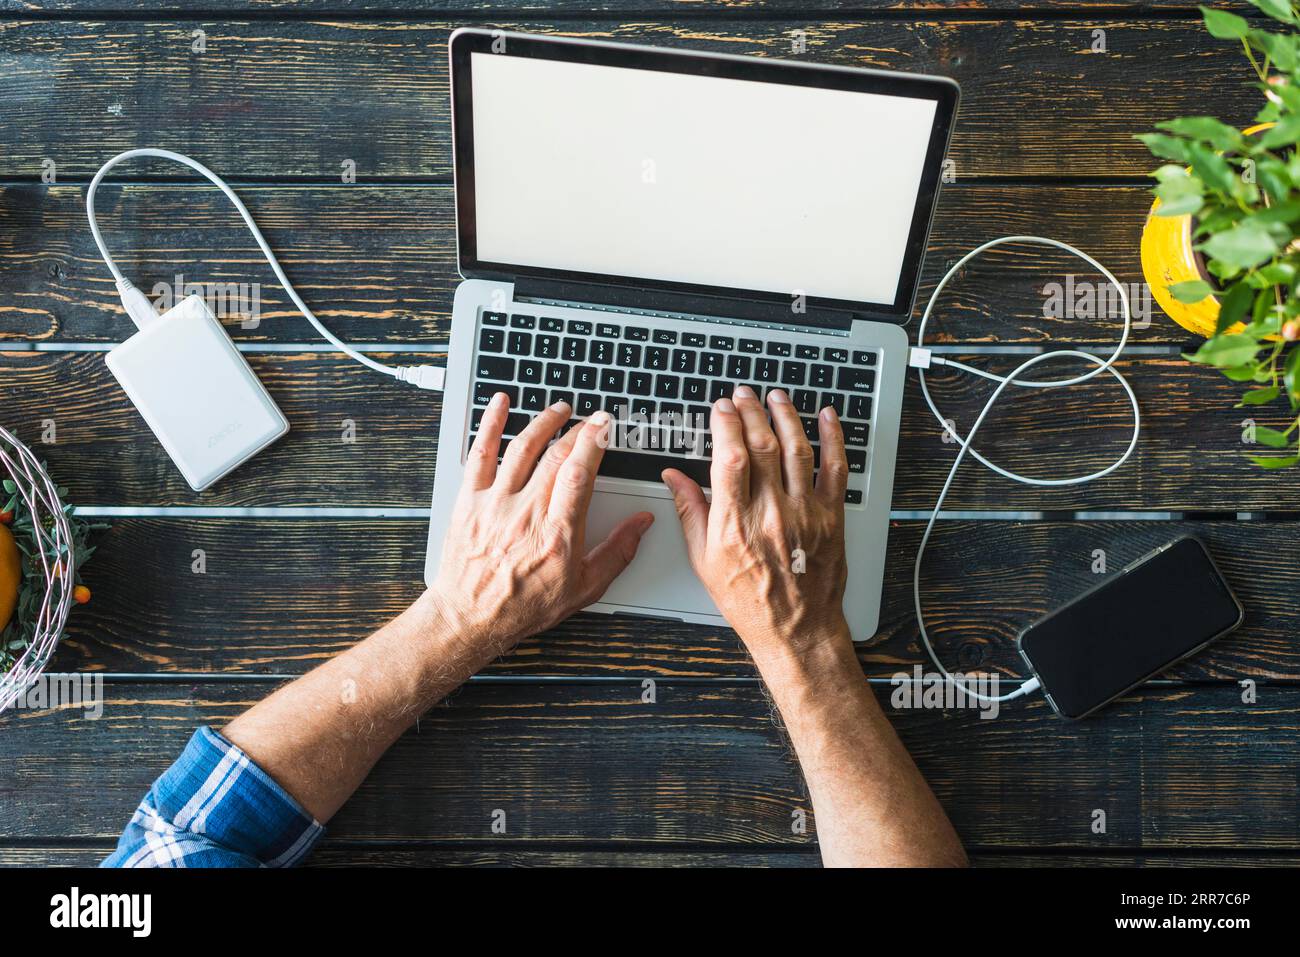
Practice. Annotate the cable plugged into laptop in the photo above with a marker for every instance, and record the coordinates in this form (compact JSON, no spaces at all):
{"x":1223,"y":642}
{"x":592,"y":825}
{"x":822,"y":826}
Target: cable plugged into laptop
{"x":142,"y":311}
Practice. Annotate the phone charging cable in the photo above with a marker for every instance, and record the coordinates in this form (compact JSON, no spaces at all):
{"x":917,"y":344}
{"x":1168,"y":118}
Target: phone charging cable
{"x":922,"y":359}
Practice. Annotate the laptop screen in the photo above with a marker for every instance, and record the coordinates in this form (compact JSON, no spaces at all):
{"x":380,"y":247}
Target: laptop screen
{"x":699,"y":180}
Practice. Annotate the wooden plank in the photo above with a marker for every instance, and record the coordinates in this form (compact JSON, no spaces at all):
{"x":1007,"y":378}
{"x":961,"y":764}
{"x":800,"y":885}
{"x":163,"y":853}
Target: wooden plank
{"x":705,"y":764}
{"x":1190,"y":454}
{"x":378,"y":263}
{"x":280,"y":596}
{"x":1037,"y":100}
{"x":567,"y":8}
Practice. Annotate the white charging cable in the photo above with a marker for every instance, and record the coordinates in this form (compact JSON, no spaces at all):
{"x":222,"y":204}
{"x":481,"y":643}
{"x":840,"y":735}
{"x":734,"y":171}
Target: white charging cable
{"x":141,"y":310}
{"x":922,"y":358}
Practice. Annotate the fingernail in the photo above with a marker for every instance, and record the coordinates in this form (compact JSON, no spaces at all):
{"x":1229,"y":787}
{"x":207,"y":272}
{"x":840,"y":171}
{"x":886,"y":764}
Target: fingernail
{"x":646,"y":521}
{"x":828,"y":414}
{"x":778,"y":396}
{"x":560,"y":407}
{"x":744,"y":392}
{"x":600,"y":419}
{"x":499,"y":399}
{"x":725,"y":405}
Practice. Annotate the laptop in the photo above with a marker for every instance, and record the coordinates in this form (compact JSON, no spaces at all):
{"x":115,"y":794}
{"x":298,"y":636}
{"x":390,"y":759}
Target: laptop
{"x":642,"y":230}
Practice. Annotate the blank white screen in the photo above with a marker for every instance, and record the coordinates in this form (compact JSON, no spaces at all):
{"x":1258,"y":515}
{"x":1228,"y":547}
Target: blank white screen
{"x":721,"y":182}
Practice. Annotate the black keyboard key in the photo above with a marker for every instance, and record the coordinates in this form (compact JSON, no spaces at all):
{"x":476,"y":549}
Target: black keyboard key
{"x":821,"y":377}
{"x":547,"y":347}
{"x":751,"y":345}
{"x":666,"y":337}
{"x":495,"y":367}
{"x":857,"y":460}
{"x":719,"y":389}
{"x":853,"y":496}
{"x":607,"y":330}
{"x":805,"y":401}
{"x":765,"y":370}
{"x":530,"y":370}
{"x":519,"y":343}
{"x":611,"y":380}
{"x":793,"y":373}
{"x":859,"y":407}
{"x":557,"y":375}
{"x":644,"y":407}
{"x":494,"y":318}
{"x":683,"y":362}
{"x":656,"y":359}
{"x":491,"y":340}
{"x":562,"y":395}
{"x":602,"y":352}
{"x":578,"y":327}
{"x":588,"y":404}
{"x":516,"y":422}
{"x":693,"y":339}
{"x":855,"y":379}
{"x":584,"y":377}
{"x":483,"y":392}
{"x":738,"y":367}
{"x":711,"y":364}
{"x":855,"y":433}
{"x":638,"y":383}
{"x":835,"y":400}
{"x":523,"y":322}
{"x":616,"y":406}
{"x":698,"y":416}
{"x":629,"y":356}
{"x":863,"y":358}
{"x":636,"y":334}
{"x":475,"y":419}
{"x":810,"y":428}
{"x":836,"y":355}
{"x":647,"y":466}
{"x":694,"y":390}
{"x":549,"y":324}
{"x":725,"y":343}
{"x":666,"y":386}
{"x":807,"y":352}
{"x":575,"y":350}
{"x":534,"y":400}
{"x":781,"y":349}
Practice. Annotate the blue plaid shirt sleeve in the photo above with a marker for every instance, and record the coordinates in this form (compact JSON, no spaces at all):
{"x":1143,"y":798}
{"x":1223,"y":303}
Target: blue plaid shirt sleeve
{"x":215,"y":808}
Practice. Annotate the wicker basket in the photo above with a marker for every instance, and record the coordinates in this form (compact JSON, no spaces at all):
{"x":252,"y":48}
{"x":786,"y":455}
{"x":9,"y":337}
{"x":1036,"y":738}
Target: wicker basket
{"x":56,"y":557}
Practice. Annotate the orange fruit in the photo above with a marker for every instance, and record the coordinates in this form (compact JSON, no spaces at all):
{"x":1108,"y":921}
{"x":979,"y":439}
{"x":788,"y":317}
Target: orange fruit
{"x":11,"y":574}
{"x":81,"y":594}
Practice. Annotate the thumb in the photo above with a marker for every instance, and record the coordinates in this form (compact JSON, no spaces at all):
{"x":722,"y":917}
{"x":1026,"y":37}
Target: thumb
{"x":692,"y":509}
{"x":607,"y":560}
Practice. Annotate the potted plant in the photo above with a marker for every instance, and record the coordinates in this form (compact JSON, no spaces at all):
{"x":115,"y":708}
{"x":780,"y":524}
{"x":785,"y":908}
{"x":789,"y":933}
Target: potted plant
{"x":1221,"y":248}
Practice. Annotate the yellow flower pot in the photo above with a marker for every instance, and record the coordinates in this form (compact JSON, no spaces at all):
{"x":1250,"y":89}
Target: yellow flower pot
{"x":1168,"y":257}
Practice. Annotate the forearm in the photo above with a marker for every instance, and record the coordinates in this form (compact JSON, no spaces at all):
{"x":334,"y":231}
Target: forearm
{"x":320,"y":735}
{"x":872,"y":806}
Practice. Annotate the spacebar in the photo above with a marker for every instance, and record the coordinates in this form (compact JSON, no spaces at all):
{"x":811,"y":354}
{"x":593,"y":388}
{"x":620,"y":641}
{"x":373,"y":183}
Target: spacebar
{"x":637,"y":465}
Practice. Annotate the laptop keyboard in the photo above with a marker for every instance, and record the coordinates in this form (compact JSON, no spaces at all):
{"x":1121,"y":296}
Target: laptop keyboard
{"x":659,"y":382}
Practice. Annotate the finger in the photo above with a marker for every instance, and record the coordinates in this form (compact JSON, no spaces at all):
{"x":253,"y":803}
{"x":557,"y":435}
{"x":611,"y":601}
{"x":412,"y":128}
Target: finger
{"x":833,"y":476}
{"x":760,"y":440}
{"x":543,"y":477}
{"x":481,"y":464}
{"x":576,"y":478}
{"x":607,"y":560}
{"x":796,"y":451}
{"x":521,"y":457}
{"x":729,"y":473}
{"x":692,"y":509}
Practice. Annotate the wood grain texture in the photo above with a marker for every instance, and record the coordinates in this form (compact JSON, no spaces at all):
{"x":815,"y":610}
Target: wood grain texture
{"x":1190,"y":454}
{"x":567,"y":8}
{"x":1182,"y":769}
{"x":280,"y":596}
{"x":378,"y":263}
{"x":299,"y":98}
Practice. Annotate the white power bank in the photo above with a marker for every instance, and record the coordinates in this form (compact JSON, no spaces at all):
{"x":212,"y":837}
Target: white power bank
{"x":197,"y":393}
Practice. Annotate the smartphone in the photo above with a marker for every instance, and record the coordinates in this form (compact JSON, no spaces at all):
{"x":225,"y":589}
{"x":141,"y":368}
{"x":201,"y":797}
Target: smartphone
{"x":1160,"y":609}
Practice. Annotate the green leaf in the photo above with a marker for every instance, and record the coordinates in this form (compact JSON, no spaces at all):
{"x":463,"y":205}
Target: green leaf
{"x":1277,"y":9}
{"x":1212,"y":168}
{"x":1193,"y":290}
{"x":1285,"y":133}
{"x":1232,"y":306}
{"x":1215,"y":132}
{"x":1271,"y":437}
{"x":1243,"y":246}
{"x":1166,"y":147}
{"x":1260,"y":396}
{"x":1280,"y":273}
{"x":1180,"y":197}
{"x":1274,"y":461}
{"x":1225,"y":352}
{"x":1291,"y":374}
{"x":1224,"y":25}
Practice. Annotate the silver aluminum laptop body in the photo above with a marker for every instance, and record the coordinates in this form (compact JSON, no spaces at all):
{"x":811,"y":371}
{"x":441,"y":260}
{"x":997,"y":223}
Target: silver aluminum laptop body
{"x":660,"y":582}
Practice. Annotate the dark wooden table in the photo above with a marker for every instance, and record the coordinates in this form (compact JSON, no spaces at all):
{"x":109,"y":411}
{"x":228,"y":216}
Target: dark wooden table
{"x":317,"y":542}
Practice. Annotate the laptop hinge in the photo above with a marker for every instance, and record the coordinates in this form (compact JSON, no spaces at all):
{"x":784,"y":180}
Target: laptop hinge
{"x":651,"y":300}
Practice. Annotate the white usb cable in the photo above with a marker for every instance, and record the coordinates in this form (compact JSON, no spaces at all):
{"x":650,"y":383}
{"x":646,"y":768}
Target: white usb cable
{"x":923,"y":358}
{"x":141,"y":310}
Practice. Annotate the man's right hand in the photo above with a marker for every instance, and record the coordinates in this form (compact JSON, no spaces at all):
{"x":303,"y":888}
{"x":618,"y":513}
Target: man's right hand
{"x":770,"y":547}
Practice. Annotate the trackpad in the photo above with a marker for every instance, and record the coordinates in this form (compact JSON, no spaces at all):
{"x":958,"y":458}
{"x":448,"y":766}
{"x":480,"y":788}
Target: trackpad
{"x":660,"y":577}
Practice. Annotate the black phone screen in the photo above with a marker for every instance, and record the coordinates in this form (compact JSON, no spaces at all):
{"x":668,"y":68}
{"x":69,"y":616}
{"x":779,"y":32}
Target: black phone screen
{"x":1130,"y":628}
